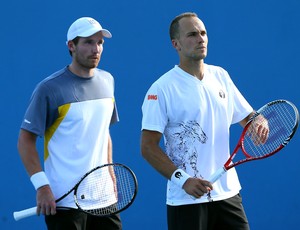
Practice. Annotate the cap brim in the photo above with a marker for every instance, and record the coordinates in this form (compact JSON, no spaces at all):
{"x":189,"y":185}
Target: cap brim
{"x":92,"y":31}
{"x":106,"y":33}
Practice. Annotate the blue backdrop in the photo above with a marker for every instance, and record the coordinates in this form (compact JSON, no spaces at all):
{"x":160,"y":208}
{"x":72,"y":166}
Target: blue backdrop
{"x":256,"y":41}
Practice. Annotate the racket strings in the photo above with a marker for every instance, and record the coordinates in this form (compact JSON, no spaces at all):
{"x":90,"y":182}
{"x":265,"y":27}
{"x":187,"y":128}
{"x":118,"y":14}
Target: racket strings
{"x":125,"y":187}
{"x":106,"y":190}
{"x":280,"y":119}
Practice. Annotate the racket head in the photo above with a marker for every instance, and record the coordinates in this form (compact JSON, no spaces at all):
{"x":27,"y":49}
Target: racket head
{"x":106,"y":190}
{"x":282,"y":118}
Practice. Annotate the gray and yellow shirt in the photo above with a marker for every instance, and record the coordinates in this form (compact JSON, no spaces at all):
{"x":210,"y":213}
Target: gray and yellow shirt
{"x":73,"y":114}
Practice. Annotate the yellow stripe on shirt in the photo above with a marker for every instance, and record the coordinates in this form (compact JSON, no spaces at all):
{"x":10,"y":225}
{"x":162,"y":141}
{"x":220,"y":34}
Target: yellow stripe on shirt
{"x":62,"y":111}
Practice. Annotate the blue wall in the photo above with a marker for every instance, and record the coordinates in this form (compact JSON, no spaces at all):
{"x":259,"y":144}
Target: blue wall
{"x":256,"y":41}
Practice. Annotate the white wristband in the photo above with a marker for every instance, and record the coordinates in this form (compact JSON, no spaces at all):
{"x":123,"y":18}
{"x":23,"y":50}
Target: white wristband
{"x":179,"y":177}
{"x":39,"y":179}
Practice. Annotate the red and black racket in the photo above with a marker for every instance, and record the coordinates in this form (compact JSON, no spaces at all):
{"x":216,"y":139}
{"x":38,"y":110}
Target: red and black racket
{"x":269,"y":130}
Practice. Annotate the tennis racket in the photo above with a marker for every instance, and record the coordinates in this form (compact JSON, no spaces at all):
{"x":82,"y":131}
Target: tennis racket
{"x":269,"y":130}
{"x":103,"y":191}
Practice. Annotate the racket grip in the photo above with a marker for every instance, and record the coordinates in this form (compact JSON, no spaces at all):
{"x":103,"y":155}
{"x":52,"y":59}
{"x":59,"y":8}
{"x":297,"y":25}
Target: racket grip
{"x":214,"y":177}
{"x":24,"y":213}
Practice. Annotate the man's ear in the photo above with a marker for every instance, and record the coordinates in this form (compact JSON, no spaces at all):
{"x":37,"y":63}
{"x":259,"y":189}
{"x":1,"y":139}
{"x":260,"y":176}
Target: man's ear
{"x":71,"y":46}
{"x":176,"y":44}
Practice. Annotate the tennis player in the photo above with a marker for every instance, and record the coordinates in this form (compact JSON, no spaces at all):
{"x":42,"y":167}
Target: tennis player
{"x":193,"y":106}
{"x":72,"y":109}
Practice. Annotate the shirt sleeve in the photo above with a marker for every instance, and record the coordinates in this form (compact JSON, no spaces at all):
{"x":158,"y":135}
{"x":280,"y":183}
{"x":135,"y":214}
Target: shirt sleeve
{"x":154,"y":110}
{"x":36,"y":114}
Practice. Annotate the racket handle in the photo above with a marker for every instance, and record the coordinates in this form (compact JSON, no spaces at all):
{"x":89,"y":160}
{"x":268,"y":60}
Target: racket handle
{"x":24,"y":213}
{"x":214,"y":177}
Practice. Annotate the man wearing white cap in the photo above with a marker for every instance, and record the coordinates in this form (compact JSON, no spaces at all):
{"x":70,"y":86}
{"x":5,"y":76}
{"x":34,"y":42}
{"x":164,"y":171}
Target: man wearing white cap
{"x":73,"y":110}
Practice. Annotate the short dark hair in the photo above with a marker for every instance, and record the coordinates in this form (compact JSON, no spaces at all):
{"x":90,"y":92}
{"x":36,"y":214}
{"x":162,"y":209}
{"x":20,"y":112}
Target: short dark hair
{"x":174,"y":27}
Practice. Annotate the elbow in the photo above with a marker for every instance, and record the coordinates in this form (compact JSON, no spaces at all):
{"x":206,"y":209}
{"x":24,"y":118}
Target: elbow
{"x":144,"y":149}
{"x":149,"y":143}
{"x":26,"y":140}
{"x":19,"y":143}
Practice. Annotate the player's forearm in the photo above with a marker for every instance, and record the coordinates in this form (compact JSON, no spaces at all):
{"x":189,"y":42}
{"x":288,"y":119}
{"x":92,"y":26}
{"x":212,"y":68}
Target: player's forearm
{"x":109,"y":150}
{"x":28,"y":152}
{"x":155,"y":156}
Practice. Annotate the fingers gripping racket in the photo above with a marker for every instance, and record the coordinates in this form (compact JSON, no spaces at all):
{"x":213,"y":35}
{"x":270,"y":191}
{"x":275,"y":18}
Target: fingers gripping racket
{"x":269,"y":130}
{"x":103,"y":191}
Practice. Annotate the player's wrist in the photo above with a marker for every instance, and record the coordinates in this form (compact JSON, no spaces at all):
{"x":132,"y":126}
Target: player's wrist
{"x":179,"y":177}
{"x":39,"y":180}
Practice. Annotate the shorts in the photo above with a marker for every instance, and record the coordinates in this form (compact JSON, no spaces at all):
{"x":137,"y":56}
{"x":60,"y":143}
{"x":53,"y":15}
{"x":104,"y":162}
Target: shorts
{"x":227,"y":214}
{"x":73,"y":219}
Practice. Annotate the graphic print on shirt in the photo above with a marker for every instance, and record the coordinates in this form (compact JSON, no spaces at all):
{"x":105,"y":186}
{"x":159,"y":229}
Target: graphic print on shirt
{"x":181,"y":142}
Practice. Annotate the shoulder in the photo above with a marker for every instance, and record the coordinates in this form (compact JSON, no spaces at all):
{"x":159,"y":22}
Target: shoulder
{"x":218,"y":73}
{"x":215,"y":69}
{"x":58,"y":76}
{"x":53,"y":80}
{"x":167,"y":79}
{"x":103,"y":76}
{"x":102,"y":73}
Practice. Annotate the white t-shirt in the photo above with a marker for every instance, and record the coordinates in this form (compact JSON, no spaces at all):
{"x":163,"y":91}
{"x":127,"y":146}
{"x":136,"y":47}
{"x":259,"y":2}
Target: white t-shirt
{"x":194,"y":117}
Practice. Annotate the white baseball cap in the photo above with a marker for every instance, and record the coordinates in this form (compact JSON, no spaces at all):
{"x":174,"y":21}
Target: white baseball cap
{"x":85,"y":27}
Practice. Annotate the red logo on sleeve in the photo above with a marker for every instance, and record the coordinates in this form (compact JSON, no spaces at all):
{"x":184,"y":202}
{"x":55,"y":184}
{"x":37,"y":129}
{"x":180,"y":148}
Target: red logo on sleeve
{"x":152,"y":97}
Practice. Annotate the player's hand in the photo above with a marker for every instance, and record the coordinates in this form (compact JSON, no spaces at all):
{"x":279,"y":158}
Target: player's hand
{"x":259,"y":130}
{"x":45,"y":201}
{"x":197,"y":187}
